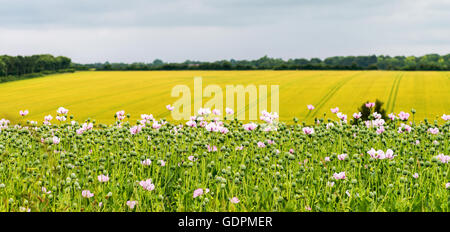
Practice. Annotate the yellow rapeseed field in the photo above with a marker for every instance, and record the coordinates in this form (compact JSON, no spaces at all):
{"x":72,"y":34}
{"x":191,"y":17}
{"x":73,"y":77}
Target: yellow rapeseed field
{"x":98,"y":95}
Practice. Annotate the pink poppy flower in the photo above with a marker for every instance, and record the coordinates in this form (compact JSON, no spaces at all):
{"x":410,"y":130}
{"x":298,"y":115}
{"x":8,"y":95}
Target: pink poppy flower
{"x":87,"y":194}
{"x":191,"y":123}
{"x":229,"y":111}
{"x":377,"y":154}
{"x":339,"y":176}
{"x":342,"y":156}
{"x":204,"y":111}
{"x":334,"y":110}
{"x":55,"y":140}
{"x":48,"y":118}
{"x":23,"y":209}
{"x":329,"y":125}
{"x":261,"y":144}
{"x":348,"y":193}
{"x":62,"y":110}
{"x":146,"y":162}
{"x":147,"y":117}
{"x":310,"y":107}
{"x":268,"y":117}
{"x":4,"y":123}
{"x":376,"y":115}
{"x":131,"y":204}
{"x":357,"y":115}
{"x":443,"y":158}
{"x":211,"y":148}
{"x":103,"y":178}
{"x":120,"y":115}
{"x":404,"y":127}
{"x":381,"y":154}
{"x":223,"y":130}
{"x":234,"y":200}
{"x":147,"y":185}
{"x":202,"y":124}
{"x":308,"y":130}
{"x":392,"y":116}
{"x":44,"y":190}
{"x":433,"y":131}
{"x":341,"y":116}
{"x":216,"y":112}
{"x":23,"y":113}
{"x":212,"y":127}
{"x":403,"y":116}
{"x":198,"y":192}
{"x":389,"y":154}
{"x":80,"y":131}
{"x":135,"y":129}
{"x":250,"y":126}
{"x":88,"y":126}
{"x":380,"y":130}
{"x":61,"y":118}
{"x":170,"y":108}
{"x":416,"y":175}
{"x":370,"y":104}
{"x":156,"y":125}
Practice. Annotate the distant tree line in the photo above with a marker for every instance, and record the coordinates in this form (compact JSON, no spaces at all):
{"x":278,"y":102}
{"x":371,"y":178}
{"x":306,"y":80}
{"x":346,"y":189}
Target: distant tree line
{"x":426,"y":62}
{"x":22,"y":67}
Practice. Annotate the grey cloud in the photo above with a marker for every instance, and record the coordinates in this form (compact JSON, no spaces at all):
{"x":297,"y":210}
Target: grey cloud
{"x":138,"y":30}
{"x":113,"y":13}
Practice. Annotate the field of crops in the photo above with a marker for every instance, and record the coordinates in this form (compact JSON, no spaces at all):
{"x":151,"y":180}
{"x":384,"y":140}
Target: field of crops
{"x":212,"y":165}
{"x":117,"y":153}
{"x":99,"y":95}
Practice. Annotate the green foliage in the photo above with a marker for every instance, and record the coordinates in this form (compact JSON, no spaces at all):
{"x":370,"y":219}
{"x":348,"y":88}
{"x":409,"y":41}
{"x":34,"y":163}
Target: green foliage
{"x":295,"y":172}
{"x":24,"y":67}
{"x":20,"y":65}
{"x":373,"y":62}
{"x":366,"y":112}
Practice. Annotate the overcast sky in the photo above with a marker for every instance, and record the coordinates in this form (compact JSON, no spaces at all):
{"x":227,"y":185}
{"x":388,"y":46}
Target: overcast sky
{"x":176,"y":30}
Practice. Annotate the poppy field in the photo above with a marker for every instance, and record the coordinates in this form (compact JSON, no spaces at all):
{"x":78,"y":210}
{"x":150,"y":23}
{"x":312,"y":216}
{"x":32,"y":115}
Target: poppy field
{"x":339,"y":164}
